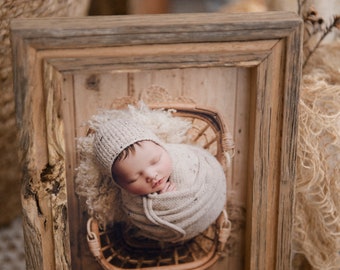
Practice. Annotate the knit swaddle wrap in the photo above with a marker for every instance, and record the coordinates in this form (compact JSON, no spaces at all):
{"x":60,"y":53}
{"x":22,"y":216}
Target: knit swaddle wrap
{"x":182,"y":214}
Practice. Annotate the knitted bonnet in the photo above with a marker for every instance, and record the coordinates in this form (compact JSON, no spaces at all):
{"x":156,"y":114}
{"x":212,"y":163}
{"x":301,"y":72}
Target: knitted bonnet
{"x":113,"y":136}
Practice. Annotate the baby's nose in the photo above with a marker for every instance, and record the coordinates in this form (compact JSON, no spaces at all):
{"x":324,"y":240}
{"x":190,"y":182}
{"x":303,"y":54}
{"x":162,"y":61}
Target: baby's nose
{"x":152,"y":176}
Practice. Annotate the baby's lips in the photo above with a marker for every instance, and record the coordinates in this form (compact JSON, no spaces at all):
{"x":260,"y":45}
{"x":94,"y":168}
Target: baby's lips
{"x":157,"y":183}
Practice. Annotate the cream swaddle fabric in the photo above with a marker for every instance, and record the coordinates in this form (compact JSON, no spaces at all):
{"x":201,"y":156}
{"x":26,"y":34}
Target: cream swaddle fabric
{"x":182,"y":214}
{"x":174,"y":216}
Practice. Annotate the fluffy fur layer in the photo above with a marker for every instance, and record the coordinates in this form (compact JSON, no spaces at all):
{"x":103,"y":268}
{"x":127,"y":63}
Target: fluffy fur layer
{"x":101,"y":195}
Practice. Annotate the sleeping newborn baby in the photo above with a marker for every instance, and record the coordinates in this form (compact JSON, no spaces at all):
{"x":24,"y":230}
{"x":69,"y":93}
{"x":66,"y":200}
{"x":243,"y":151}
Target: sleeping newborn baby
{"x":171,"y":192}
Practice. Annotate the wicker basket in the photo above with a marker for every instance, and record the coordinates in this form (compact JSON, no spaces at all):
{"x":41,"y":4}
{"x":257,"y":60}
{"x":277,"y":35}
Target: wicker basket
{"x":120,"y":247}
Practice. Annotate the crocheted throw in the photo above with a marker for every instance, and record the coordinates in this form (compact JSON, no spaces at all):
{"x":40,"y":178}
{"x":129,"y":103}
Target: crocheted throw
{"x":182,"y":214}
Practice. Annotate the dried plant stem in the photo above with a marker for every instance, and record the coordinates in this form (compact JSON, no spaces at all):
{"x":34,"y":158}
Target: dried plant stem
{"x":325,"y":33}
{"x":300,"y":5}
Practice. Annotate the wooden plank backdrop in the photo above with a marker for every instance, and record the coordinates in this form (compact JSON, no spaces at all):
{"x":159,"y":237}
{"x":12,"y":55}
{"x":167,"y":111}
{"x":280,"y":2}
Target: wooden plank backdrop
{"x":248,"y":70}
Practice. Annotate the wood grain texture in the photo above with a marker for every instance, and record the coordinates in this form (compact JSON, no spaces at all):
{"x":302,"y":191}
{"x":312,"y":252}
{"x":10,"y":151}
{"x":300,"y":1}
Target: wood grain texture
{"x":247,"y":69}
{"x":219,"y":27}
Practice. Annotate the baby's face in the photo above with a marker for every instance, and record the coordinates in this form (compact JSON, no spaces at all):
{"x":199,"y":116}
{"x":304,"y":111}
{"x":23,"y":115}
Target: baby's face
{"x":145,"y":171}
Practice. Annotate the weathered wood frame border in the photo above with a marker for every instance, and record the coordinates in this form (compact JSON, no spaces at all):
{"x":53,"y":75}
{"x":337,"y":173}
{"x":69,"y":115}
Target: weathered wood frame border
{"x":47,"y":51}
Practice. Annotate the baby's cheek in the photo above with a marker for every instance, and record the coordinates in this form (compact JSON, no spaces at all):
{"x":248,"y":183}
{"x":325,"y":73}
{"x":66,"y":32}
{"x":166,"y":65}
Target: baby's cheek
{"x":168,"y":169}
{"x":170,"y":165}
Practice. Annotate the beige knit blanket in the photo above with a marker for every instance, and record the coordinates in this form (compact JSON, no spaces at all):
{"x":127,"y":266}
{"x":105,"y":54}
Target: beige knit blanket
{"x":182,"y":214}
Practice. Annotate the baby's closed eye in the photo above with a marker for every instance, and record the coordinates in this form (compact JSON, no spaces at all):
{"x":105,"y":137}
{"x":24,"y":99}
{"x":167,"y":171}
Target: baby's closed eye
{"x":155,"y":160}
{"x":131,"y":181}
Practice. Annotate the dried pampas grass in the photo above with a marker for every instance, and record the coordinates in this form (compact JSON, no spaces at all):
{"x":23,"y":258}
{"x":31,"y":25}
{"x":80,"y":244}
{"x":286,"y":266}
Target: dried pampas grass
{"x":317,"y":217}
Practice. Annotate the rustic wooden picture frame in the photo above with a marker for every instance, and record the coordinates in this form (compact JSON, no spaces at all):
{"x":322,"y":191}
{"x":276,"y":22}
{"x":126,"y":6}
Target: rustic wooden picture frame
{"x":51,"y":59}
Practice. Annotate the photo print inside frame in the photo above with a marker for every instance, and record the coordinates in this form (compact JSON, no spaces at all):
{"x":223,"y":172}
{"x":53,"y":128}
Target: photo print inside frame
{"x":174,"y":121}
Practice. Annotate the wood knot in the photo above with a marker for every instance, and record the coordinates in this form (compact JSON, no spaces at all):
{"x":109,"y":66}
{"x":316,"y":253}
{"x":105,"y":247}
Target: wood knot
{"x":92,"y":82}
